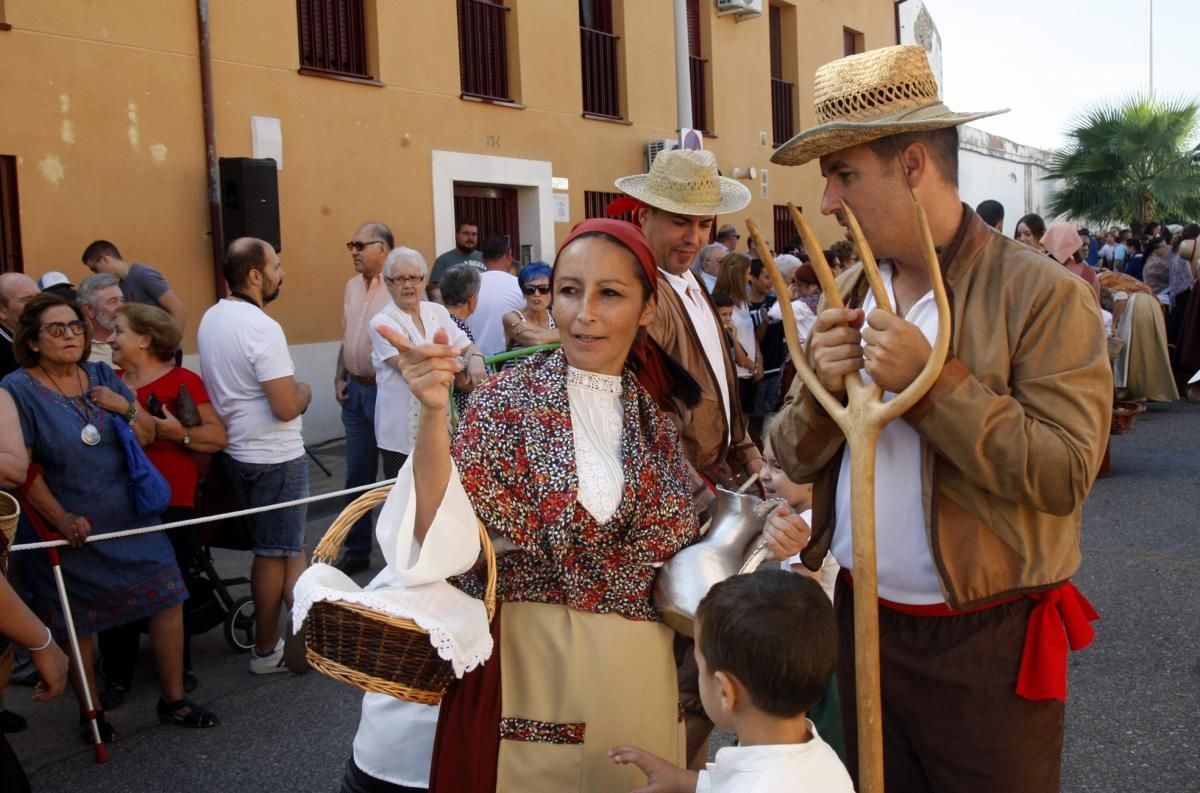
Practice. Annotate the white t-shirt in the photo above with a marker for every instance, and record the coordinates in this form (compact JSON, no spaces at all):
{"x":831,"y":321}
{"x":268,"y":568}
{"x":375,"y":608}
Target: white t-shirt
{"x":743,"y":331}
{"x":791,"y":767}
{"x":704,"y":320}
{"x":498,"y":295}
{"x":805,"y":318}
{"x":397,"y":414}
{"x":241,"y":348}
{"x":905,"y":564}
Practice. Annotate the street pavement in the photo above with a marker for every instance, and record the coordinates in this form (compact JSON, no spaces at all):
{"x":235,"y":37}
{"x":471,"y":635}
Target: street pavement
{"x":1131,"y":714}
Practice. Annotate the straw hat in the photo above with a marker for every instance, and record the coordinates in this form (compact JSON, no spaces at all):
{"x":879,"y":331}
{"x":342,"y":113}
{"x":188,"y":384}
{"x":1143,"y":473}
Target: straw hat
{"x":868,"y":96}
{"x":686,"y":183}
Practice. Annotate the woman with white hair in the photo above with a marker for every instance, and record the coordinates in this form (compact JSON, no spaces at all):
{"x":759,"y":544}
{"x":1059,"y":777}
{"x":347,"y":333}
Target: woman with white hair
{"x":396,"y":412}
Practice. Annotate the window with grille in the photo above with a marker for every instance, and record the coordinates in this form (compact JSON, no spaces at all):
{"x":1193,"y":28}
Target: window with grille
{"x":784,"y":229}
{"x":333,"y":38}
{"x":782,"y":91}
{"x":483,"y":49}
{"x":697,"y":66}
{"x":595,"y":204}
{"x":598,"y":51}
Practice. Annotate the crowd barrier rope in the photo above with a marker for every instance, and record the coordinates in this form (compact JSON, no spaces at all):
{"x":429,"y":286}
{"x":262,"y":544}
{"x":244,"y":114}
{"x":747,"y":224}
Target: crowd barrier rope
{"x":33,"y":546}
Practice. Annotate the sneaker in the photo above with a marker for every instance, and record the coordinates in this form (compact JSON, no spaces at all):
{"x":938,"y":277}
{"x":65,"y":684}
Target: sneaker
{"x":270,"y":663}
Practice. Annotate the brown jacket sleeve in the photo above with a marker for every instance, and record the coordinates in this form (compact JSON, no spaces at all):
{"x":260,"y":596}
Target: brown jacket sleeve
{"x":1041,"y":443}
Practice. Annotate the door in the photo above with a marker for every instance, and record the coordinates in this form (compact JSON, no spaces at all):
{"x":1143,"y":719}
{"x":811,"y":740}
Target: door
{"x":493,"y":208}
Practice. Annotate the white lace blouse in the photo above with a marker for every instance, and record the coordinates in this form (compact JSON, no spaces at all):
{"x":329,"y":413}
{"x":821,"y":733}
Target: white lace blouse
{"x":596,"y":422}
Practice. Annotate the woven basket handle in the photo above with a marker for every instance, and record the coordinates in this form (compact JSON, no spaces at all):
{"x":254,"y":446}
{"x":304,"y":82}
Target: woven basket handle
{"x":330,"y":546}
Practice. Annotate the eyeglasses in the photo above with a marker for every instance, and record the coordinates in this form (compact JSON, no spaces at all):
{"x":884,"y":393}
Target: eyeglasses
{"x":538,"y":290}
{"x":59,"y":329}
{"x":357,"y":247}
{"x":404,"y":279}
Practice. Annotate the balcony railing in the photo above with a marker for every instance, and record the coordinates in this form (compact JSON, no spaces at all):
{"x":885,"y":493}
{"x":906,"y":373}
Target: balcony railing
{"x":699,"y":105}
{"x":782,"y":118}
{"x":482,"y":49}
{"x":600,"y":95}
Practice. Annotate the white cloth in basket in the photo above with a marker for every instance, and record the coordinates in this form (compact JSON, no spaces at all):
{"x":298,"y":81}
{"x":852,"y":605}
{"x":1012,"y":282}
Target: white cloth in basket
{"x":457,"y":623}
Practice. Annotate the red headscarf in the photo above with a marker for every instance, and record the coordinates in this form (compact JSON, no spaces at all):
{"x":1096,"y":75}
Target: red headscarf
{"x":652,"y":370}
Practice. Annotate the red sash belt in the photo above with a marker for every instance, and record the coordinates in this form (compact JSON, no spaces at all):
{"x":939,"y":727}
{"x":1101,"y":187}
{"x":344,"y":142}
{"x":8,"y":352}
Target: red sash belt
{"x":1062,"y":618}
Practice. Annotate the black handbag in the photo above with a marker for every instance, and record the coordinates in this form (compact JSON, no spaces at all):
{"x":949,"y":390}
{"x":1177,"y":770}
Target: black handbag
{"x":185,"y":408}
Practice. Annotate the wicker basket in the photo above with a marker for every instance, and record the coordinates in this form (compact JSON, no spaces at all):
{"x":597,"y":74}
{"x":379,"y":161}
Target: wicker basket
{"x":1122,"y":420}
{"x":375,"y":651}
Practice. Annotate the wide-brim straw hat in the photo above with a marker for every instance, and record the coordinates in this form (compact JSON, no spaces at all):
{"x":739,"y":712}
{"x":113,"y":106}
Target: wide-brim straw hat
{"x":687,"y":183}
{"x":864,"y":97}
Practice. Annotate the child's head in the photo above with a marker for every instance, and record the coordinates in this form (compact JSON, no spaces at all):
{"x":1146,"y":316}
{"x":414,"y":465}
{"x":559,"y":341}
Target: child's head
{"x":776,"y":483}
{"x":766,"y":644}
{"x":724,"y":304}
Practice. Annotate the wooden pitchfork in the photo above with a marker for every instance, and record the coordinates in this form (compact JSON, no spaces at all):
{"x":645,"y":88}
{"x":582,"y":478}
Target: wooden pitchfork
{"x":862,"y":419}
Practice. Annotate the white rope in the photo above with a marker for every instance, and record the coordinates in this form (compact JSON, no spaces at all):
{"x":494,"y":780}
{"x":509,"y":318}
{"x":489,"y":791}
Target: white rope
{"x":33,"y":546}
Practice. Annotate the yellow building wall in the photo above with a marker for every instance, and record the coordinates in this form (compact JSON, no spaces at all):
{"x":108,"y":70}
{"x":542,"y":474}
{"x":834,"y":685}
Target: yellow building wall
{"x":103,"y":111}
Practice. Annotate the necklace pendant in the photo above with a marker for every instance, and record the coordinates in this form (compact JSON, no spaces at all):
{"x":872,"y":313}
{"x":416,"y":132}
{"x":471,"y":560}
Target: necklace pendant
{"x":90,"y":435}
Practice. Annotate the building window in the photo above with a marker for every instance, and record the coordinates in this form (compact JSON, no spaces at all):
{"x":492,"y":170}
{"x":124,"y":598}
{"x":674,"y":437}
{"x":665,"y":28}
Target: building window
{"x":697,"y":66}
{"x":598,"y":50}
{"x":852,"y":42}
{"x":483,"y":49}
{"x":783,"y":112}
{"x":595,"y":204}
{"x":10,"y":217}
{"x":333,"y":38}
{"x":783,"y":227}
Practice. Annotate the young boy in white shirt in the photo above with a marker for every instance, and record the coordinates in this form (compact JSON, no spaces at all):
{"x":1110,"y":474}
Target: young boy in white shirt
{"x":766,"y":646}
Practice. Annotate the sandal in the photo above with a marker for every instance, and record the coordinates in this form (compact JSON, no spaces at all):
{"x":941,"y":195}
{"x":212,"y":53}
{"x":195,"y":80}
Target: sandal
{"x":108,"y":733}
{"x":196,"y":716}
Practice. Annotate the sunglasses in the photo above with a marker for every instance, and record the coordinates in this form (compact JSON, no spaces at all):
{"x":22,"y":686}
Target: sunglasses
{"x":59,"y":329}
{"x":357,"y":247}
{"x":404,"y":279}
{"x":536,"y":290}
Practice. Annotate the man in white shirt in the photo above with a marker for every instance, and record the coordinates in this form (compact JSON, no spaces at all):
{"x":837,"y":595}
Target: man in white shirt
{"x":498,"y":295}
{"x":678,"y":203}
{"x":250,"y":378}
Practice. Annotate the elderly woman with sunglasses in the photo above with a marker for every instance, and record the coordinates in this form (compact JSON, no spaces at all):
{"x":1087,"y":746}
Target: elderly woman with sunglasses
{"x":396,"y":411}
{"x":534,"y":325}
{"x":69,"y":411}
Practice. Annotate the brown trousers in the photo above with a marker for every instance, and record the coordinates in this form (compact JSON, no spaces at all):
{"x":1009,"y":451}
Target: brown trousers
{"x":952,"y":720}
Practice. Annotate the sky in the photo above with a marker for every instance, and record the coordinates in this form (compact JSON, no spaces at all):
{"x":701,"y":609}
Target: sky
{"x":1049,"y":60}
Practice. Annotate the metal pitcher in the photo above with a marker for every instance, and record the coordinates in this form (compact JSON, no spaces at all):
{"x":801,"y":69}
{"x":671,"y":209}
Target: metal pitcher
{"x":732,"y":545}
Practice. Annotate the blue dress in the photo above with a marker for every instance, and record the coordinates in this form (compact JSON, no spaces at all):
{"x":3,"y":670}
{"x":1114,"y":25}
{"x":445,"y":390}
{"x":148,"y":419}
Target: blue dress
{"x":108,"y":583}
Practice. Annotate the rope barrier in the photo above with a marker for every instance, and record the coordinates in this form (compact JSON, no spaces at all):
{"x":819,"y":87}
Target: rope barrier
{"x":33,"y":546}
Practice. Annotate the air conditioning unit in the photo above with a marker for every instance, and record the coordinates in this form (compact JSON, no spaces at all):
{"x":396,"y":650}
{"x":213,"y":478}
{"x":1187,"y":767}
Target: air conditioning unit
{"x":656,"y":147}
{"x":742,"y":8}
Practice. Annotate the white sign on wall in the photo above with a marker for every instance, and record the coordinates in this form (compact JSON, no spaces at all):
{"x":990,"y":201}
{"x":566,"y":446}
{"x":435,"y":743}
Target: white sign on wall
{"x":562,"y":207}
{"x":266,"y":135}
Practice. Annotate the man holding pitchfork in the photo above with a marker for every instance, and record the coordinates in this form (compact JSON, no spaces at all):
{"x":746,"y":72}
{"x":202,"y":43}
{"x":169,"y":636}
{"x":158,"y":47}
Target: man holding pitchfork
{"x":979,"y":488}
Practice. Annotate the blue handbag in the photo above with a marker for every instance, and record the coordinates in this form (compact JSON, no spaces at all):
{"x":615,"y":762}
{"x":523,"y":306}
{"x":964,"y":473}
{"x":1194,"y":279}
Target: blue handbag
{"x":148,"y":488}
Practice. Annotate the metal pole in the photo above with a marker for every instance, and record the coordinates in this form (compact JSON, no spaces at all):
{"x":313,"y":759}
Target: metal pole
{"x":683,"y":79}
{"x":1150,"y":58}
{"x":216,"y":226}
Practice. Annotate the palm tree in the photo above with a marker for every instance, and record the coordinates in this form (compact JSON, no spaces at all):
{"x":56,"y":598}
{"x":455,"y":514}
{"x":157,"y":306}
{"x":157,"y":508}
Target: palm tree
{"x":1133,"y":161}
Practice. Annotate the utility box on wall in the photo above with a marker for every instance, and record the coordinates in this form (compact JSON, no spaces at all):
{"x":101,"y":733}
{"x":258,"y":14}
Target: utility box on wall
{"x":250,"y":199}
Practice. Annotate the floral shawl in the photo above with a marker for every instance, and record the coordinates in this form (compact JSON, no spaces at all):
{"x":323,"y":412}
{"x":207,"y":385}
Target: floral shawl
{"x":515,"y":453}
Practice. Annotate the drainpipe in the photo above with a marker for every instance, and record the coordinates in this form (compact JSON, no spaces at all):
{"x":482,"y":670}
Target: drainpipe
{"x":217,"y":231}
{"x":683,"y":78}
